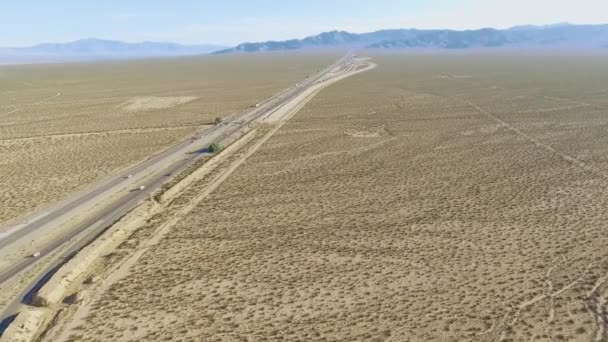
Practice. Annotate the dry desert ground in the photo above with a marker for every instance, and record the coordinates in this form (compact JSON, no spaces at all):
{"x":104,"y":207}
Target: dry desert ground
{"x":444,"y":197}
{"x":63,"y":126}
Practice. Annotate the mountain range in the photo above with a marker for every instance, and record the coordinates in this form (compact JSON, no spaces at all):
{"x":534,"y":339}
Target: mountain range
{"x":550,"y":36}
{"x":530,"y":36}
{"x":93,"y":49}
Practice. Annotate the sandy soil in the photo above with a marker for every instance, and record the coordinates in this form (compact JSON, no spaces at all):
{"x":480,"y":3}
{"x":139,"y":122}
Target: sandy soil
{"x":66,"y":126}
{"x":44,"y":169}
{"x":397,"y":206}
{"x":143,"y":103}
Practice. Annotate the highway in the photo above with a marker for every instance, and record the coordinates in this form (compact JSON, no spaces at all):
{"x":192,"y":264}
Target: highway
{"x":92,"y":211}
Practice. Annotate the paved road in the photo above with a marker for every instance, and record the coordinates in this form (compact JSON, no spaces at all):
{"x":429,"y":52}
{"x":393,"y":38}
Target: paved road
{"x":119,"y":193}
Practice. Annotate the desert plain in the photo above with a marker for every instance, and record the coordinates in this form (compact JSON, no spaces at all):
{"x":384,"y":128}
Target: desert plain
{"x":437,"y":197}
{"x":66,"y":126}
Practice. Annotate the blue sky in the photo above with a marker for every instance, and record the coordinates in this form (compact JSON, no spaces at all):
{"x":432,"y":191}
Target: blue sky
{"x":230,"y":22}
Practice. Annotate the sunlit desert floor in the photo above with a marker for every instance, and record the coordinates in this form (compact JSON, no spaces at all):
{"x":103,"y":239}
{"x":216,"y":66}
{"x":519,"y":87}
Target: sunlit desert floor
{"x":450,"y":197}
{"x":65,"y":126}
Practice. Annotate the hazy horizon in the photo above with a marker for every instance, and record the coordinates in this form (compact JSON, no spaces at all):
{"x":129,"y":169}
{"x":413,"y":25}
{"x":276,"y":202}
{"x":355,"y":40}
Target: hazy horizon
{"x":234,"y":21}
{"x":263,"y":40}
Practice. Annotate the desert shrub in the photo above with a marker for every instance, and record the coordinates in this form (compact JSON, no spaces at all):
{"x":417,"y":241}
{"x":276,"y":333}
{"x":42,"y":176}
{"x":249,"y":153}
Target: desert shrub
{"x":218,"y":120}
{"x":215,"y":148}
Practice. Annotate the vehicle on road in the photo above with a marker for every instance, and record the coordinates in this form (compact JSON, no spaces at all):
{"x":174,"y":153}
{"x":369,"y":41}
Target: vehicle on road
{"x":126,"y":199}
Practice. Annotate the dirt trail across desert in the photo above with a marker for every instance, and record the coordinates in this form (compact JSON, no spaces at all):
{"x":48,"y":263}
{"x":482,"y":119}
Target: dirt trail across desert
{"x":30,"y":105}
{"x":11,"y":141}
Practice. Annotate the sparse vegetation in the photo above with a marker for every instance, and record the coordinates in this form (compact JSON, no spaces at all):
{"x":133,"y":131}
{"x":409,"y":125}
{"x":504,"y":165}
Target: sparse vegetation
{"x":89,"y":120}
{"x":456,"y":197}
{"x":215,"y":148}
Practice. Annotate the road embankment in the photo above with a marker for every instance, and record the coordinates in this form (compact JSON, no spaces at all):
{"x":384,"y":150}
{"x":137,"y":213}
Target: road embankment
{"x":68,"y":280}
{"x":33,"y":320}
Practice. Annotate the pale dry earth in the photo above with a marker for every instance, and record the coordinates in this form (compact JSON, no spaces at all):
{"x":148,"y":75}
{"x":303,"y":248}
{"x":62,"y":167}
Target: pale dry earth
{"x":451,"y":197}
{"x":142,"y":103}
{"x":64,"y":126}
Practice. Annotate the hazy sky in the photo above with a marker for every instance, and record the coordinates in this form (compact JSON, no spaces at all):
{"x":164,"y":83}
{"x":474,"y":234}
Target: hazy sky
{"x":229,"y":22}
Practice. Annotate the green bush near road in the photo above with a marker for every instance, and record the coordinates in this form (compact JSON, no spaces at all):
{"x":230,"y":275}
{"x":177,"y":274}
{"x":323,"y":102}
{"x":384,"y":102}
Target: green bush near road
{"x":215,"y":148}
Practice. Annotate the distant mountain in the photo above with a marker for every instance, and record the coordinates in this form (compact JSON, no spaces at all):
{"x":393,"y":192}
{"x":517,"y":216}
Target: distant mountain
{"x":104,"y":49}
{"x":557,"y":35}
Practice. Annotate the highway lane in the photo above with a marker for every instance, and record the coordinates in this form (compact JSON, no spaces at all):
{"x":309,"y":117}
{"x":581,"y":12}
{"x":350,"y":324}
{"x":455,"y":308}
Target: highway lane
{"x":51,"y":214}
{"x":84,"y":234}
{"x":151,"y":174}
